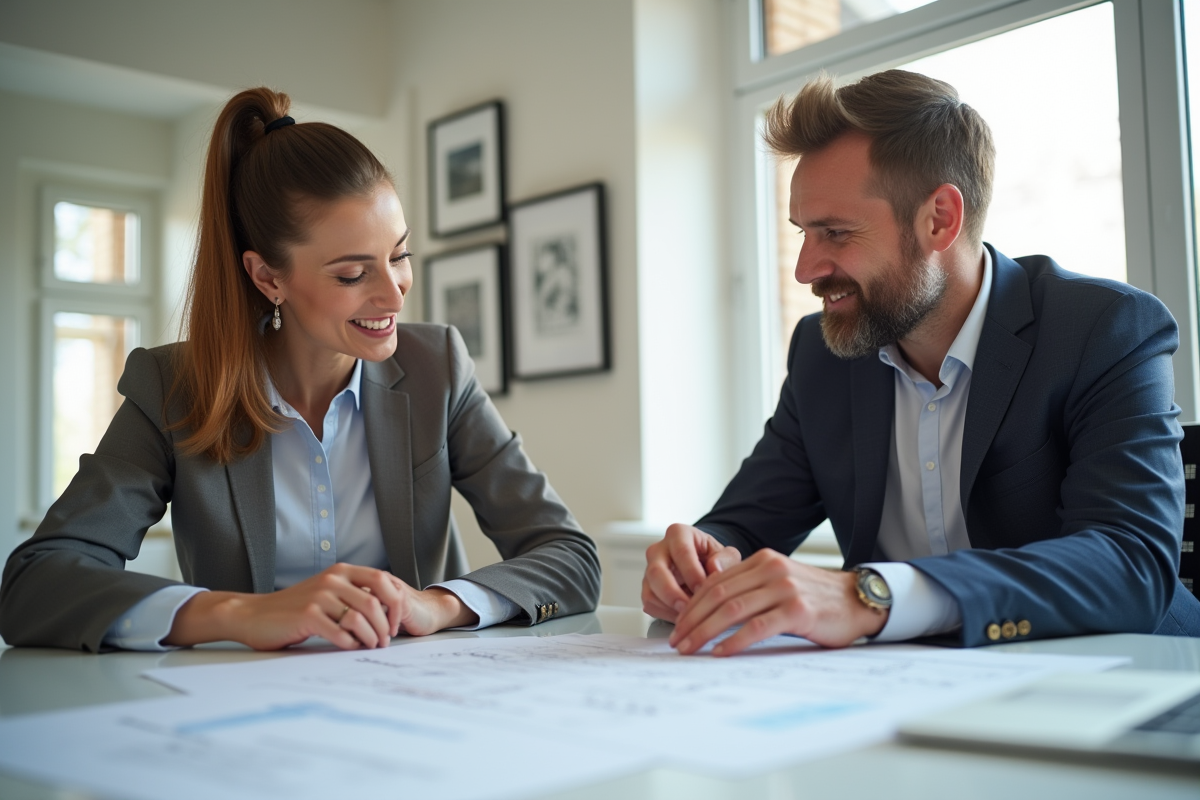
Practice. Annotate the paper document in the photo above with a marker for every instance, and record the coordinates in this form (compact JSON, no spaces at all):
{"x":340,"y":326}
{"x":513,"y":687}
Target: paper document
{"x":238,"y":746}
{"x":785,"y":701}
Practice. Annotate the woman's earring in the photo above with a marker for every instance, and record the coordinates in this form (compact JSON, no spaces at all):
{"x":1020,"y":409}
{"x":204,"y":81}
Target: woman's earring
{"x":276,"y":322}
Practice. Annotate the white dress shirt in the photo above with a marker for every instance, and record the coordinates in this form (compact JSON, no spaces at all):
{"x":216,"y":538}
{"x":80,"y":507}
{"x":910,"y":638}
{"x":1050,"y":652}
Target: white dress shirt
{"x":922,"y":504}
{"x":324,"y":513}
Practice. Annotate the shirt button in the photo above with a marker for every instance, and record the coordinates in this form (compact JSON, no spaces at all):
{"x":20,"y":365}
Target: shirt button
{"x":929,"y":465}
{"x":324,"y":544}
{"x":319,"y":459}
{"x":932,"y":406}
{"x":324,"y":513}
{"x":320,"y":487}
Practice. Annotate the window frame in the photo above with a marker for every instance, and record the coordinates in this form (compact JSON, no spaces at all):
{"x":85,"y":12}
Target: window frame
{"x":1155,"y":156}
{"x":143,"y":206}
{"x":56,"y":295}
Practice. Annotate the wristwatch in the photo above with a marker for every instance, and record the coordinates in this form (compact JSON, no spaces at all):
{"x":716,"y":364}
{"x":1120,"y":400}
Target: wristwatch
{"x":872,"y":589}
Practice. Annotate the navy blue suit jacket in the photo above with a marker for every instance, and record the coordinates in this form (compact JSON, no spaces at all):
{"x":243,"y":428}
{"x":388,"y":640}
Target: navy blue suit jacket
{"x":1072,"y":482}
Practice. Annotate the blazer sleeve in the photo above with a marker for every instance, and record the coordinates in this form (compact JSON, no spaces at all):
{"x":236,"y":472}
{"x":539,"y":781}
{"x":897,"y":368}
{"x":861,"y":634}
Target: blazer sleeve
{"x":65,"y":585}
{"x":1111,"y":564}
{"x":550,"y":565}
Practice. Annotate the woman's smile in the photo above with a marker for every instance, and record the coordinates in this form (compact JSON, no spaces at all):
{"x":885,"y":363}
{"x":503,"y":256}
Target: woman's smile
{"x":380,"y":327}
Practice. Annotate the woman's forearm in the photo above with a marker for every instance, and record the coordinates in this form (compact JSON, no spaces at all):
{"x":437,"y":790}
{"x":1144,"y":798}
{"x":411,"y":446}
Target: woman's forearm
{"x":209,"y":617}
{"x":449,"y":610}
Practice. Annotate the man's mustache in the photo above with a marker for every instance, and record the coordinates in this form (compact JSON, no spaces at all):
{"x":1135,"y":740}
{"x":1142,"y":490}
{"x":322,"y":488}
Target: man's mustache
{"x":822,"y":287}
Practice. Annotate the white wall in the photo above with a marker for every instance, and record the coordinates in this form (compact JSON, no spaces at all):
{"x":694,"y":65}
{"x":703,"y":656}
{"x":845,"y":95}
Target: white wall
{"x":682,"y":245}
{"x":565,"y":71}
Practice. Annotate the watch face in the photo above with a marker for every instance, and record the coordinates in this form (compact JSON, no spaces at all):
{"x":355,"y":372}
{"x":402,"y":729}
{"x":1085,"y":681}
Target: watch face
{"x":878,"y":587}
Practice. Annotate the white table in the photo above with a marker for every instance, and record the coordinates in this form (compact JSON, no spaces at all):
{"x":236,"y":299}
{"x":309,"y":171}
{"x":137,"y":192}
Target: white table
{"x":34,"y":679}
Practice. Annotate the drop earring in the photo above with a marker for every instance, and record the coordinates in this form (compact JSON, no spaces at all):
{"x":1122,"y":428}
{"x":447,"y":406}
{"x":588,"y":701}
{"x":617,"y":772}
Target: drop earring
{"x":276,"y":322}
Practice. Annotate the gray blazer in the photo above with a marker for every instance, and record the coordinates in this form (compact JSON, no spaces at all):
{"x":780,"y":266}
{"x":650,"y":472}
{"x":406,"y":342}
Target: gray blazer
{"x":429,"y":427}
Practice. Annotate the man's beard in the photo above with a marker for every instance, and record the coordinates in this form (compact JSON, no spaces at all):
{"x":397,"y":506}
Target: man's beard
{"x":900,"y":298}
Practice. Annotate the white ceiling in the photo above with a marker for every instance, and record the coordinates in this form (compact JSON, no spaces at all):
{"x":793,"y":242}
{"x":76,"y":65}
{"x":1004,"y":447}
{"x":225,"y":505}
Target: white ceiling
{"x":90,"y":83}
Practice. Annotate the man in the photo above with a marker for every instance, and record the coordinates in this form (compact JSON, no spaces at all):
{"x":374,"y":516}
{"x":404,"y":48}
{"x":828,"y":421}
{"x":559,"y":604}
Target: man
{"x":994,"y":441}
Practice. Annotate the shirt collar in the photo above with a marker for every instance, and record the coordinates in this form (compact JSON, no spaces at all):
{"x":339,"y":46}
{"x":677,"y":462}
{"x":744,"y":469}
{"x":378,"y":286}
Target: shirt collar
{"x":966,"y":343}
{"x":353,"y":386}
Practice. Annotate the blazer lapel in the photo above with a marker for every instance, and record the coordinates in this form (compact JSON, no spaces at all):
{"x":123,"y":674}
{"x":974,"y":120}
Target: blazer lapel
{"x":873,"y":401}
{"x":252,"y":485}
{"x":389,"y":450}
{"x":1000,"y":362}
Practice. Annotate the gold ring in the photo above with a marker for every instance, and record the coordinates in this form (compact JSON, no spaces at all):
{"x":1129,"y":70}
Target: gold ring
{"x":344,"y":610}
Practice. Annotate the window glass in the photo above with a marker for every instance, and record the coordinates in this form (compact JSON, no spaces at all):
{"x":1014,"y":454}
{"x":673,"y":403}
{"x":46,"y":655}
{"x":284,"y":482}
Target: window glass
{"x":791,"y":24}
{"x":1056,"y":123}
{"x":89,"y":356}
{"x":1054,"y":117}
{"x":95,"y":245}
{"x":1191,"y":50}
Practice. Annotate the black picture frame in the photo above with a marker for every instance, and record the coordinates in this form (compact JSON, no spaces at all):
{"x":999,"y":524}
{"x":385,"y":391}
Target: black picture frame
{"x":468,"y":288}
{"x":558,"y":284}
{"x":466,"y":156}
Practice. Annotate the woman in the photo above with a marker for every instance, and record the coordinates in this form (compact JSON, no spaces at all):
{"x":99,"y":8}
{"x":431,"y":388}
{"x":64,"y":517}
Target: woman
{"x":307,"y":442}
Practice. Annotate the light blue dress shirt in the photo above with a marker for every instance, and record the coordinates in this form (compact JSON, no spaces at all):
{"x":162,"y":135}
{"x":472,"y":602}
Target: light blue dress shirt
{"x":324,"y":513}
{"x":922,"y":504}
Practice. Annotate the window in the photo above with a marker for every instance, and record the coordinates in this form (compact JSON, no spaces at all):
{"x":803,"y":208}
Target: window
{"x":1191,"y":38}
{"x":1086,"y":103}
{"x":788,"y":25}
{"x":96,"y":304}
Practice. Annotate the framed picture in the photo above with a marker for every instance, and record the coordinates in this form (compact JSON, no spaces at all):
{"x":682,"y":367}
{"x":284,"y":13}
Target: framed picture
{"x":559,"y":293}
{"x":466,"y":170}
{"x":466,"y":289}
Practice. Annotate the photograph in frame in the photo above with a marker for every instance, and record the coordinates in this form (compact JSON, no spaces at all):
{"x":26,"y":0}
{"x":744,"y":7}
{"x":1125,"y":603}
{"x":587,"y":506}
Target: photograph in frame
{"x":559,"y":284}
{"x":466,"y":170}
{"x":465,"y":288}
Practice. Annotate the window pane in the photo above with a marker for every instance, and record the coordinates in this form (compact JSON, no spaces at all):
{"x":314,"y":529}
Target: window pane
{"x":790,"y":24}
{"x":1056,"y":123}
{"x":1058,"y":149}
{"x":89,"y":355}
{"x":1191,"y":50}
{"x":95,"y":245}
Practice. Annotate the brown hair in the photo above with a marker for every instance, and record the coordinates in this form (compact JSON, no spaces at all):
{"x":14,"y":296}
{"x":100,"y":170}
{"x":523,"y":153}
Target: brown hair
{"x":260,"y":191}
{"x":922,"y":136}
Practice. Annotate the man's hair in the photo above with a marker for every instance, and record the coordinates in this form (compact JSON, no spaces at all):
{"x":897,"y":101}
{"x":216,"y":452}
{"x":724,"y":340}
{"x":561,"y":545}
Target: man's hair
{"x":922,"y":136}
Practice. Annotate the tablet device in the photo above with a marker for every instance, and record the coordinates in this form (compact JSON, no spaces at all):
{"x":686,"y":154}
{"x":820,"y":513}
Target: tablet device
{"x":1129,"y":713}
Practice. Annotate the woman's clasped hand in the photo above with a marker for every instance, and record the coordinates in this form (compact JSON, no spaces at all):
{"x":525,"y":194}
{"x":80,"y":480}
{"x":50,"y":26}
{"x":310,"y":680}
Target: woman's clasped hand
{"x":351,"y":606}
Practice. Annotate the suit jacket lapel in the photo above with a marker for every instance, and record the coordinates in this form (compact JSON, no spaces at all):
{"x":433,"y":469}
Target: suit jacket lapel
{"x":873,"y":401}
{"x":252,"y":485}
{"x":1000,"y":362}
{"x":386,"y":415}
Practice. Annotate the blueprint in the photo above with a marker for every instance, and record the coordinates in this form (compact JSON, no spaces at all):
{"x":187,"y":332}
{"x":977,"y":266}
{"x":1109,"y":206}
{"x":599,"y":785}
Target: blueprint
{"x":278,"y":744}
{"x":784,"y":701}
{"x":466,"y":719}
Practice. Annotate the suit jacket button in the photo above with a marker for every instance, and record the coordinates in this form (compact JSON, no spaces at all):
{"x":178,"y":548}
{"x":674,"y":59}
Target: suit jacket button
{"x":1023,"y":627}
{"x":993,"y":632}
{"x":1009,"y":629}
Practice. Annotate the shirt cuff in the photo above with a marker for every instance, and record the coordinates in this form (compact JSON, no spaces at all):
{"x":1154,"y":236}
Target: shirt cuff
{"x":146,"y":624}
{"x":492,"y":607}
{"x":920,"y":606}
